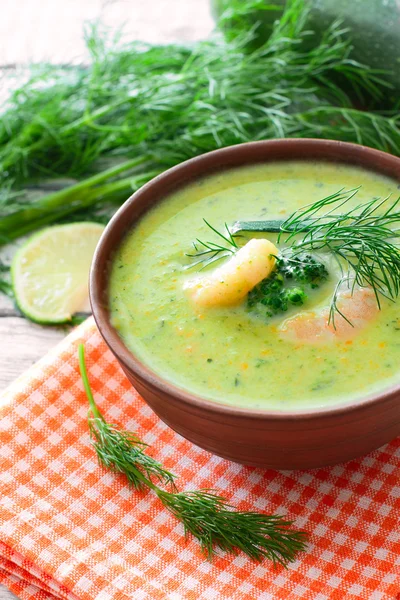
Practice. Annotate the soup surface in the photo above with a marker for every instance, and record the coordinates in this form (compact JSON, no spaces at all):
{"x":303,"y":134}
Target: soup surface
{"x":230,"y":354}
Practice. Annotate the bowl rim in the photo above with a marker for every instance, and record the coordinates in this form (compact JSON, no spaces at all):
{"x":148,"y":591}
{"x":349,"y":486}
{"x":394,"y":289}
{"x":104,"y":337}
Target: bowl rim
{"x":101,"y":261}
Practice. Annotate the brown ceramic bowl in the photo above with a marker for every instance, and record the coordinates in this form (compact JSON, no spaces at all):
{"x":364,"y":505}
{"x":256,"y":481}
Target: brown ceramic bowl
{"x":263,"y":438}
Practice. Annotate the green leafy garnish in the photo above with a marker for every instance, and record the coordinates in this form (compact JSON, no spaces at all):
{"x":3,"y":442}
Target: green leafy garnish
{"x":278,"y":292}
{"x":361,"y":239}
{"x":207,"y":253}
{"x":272,"y":294}
{"x":204,"y":514}
{"x":302,"y":268}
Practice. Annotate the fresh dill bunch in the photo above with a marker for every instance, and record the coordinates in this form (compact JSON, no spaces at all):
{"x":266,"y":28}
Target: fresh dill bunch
{"x":204,"y":514}
{"x":172,"y":101}
{"x":63,"y":120}
{"x":373,"y":129}
{"x":160,"y":105}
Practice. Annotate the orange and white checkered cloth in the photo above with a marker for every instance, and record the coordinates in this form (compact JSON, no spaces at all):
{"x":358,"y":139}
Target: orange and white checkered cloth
{"x":71,"y":530}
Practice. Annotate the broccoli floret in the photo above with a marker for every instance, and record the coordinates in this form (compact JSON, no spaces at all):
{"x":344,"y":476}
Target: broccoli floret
{"x":277,"y":292}
{"x":304,"y":269}
{"x":273,"y":294}
{"x":296,"y":296}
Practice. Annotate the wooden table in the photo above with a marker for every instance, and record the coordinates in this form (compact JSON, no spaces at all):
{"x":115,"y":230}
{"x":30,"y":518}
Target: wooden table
{"x":34,"y":30}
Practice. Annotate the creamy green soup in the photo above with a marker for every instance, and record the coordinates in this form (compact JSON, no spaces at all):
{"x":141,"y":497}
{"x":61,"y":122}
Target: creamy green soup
{"x":229,"y":354}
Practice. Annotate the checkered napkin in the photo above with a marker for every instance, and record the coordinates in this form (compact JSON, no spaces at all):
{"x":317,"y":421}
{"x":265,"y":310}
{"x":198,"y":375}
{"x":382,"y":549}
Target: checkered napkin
{"x":69,"y":529}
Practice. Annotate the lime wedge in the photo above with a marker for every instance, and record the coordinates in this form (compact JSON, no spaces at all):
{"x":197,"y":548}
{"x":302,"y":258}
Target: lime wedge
{"x":50,"y":272}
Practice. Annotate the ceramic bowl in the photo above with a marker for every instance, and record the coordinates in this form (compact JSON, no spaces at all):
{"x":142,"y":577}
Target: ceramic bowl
{"x":263,"y":438}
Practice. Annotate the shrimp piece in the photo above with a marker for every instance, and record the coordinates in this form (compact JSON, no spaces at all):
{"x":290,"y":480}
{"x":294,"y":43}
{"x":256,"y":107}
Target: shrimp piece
{"x":313,"y":327}
{"x":230,"y":283}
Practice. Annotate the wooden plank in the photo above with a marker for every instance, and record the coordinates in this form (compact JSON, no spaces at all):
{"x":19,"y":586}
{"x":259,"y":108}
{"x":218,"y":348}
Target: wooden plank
{"x":22,"y":344}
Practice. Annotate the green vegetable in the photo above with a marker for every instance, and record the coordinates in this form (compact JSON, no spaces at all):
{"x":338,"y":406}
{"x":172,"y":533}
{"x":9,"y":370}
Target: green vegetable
{"x":304,"y":269}
{"x":296,"y":296}
{"x":149,"y":108}
{"x":204,"y":514}
{"x":374,"y":26}
{"x":361,"y":239}
{"x":277,"y":292}
{"x":272,"y":295}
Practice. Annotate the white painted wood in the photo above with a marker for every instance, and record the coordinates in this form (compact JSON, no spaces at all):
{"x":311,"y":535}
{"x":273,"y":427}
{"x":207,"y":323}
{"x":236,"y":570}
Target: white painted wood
{"x":22,"y":344}
{"x":6,"y":594}
{"x":47,"y":30}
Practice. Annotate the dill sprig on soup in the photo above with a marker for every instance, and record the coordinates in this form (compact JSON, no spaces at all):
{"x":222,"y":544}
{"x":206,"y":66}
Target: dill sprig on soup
{"x":268,"y":286}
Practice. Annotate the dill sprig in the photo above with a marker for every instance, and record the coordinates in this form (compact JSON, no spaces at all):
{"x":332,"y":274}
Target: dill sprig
{"x":215,"y":523}
{"x":117,"y":450}
{"x":204,"y":514}
{"x":362,"y":239}
{"x":207,"y":253}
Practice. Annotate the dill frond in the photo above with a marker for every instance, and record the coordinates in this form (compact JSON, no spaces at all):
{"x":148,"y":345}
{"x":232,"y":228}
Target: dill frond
{"x":204,"y":514}
{"x":363,"y":239}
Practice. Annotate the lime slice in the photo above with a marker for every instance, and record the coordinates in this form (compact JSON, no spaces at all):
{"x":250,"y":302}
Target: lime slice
{"x":50,"y":272}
